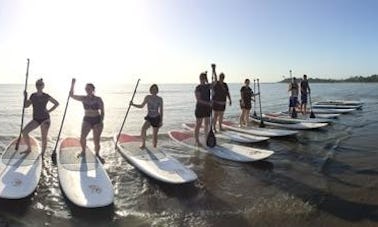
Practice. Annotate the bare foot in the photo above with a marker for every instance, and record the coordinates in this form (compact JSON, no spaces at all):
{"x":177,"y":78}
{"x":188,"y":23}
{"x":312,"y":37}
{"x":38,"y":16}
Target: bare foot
{"x":198,"y":144}
{"x":27,"y":151}
{"x":100,"y":158}
{"x":222,"y":129}
{"x":142,"y":146}
{"x":81,"y":154}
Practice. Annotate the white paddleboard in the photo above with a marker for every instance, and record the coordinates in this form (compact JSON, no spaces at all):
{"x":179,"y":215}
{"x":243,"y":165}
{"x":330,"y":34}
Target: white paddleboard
{"x":307,"y":116}
{"x":332,"y":111}
{"x":259,"y":131}
{"x":154,"y":162}
{"x":285,"y":118}
{"x":295,"y":126}
{"x":340,"y":102}
{"x":19,"y":171}
{"x":226,"y":151}
{"x":332,"y":106}
{"x":232,"y":135}
{"x":83,"y":179}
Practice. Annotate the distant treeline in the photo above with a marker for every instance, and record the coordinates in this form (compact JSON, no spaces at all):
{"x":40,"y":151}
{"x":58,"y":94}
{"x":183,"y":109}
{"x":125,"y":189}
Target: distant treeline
{"x":355,"y":79}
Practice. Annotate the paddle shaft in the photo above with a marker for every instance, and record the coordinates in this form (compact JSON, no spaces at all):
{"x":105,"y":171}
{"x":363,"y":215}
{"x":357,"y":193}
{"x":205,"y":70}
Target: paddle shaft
{"x":254,"y":100}
{"x":261,"y":119}
{"x":211,"y":140}
{"x":127,"y":113}
{"x":23,"y":105}
{"x":64,"y":116}
{"x":312,"y":115}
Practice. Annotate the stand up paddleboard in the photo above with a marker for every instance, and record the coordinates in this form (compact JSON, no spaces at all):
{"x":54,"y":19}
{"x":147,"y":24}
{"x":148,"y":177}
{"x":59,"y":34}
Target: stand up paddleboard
{"x":285,"y":118}
{"x":83,"y":178}
{"x":232,"y":135}
{"x":20,"y":171}
{"x":293,"y":125}
{"x":226,"y":151}
{"x":259,"y":131}
{"x":154,"y":162}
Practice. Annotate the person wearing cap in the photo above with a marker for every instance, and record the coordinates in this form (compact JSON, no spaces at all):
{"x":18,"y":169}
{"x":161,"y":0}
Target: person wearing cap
{"x":41,"y":115}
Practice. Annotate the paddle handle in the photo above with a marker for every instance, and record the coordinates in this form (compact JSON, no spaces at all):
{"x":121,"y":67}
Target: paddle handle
{"x":23,"y":105}
{"x":127,"y":113}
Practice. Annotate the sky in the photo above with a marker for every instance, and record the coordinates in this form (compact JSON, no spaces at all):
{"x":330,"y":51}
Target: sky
{"x":172,"y":41}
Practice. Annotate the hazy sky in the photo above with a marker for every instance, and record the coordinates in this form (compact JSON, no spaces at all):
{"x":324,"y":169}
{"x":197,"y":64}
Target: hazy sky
{"x":172,"y":41}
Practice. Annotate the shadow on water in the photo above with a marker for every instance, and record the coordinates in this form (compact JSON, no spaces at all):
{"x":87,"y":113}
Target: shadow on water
{"x":13,"y":209}
{"x":101,"y":216}
{"x":325,"y":201}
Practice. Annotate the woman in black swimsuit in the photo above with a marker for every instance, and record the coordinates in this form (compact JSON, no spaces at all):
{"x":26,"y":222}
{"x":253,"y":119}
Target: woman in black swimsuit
{"x":246,"y":96}
{"x":93,"y":117}
{"x":203,"y":107}
{"x":41,"y":116}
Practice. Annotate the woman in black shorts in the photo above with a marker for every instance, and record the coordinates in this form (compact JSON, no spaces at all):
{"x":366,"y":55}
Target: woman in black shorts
{"x":154,"y":116}
{"x":203,"y":106}
{"x":247,"y":96}
{"x":220,"y":95}
{"x":93,"y":117}
{"x":41,"y":115}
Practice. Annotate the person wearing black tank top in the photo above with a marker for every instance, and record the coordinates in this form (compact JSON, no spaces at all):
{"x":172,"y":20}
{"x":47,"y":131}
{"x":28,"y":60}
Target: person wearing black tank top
{"x":41,"y":115}
{"x":93,"y":117}
{"x":203,"y":107}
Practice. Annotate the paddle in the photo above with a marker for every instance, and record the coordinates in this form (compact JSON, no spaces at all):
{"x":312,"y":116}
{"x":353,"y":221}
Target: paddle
{"x":211,"y":140}
{"x":312,"y":115}
{"x":23,"y":105}
{"x":127,"y":112}
{"x":53,"y":155}
{"x":261,"y":119}
{"x":254,"y":100}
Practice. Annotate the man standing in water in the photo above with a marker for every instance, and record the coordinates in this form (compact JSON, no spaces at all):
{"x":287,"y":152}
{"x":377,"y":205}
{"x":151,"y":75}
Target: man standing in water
{"x":305,"y":89}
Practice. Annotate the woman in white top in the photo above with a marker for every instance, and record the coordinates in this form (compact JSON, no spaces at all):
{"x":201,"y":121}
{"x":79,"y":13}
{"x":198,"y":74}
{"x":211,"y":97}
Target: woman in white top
{"x":154,"y":116}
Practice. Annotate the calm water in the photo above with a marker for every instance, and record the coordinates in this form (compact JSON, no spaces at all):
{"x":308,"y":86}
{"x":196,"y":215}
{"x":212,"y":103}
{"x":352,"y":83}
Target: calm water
{"x":322,"y":177}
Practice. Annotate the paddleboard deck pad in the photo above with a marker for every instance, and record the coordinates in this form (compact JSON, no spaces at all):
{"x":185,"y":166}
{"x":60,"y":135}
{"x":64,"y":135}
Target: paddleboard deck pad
{"x":82,"y":177}
{"x":20,"y":171}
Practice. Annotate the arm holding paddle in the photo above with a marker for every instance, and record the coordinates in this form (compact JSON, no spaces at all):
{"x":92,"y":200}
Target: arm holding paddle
{"x":142,"y":104}
{"x":72,"y":95}
{"x":27,"y":101}
{"x":161,"y":113}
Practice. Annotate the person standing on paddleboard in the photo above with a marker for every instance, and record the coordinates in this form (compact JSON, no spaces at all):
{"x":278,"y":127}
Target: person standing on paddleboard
{"x":247,"y":96}
{"x":293,"y":100}
{"x":93,"y":117}
{"x":154,"y":116}
{"x":41,"y":115}
{"x":203,"y":106}
{"x":305,"y":89}
{"x":220,"y":95}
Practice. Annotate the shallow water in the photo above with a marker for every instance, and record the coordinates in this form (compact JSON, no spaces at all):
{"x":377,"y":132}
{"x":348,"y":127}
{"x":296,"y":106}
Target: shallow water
{"x":322,"y":177}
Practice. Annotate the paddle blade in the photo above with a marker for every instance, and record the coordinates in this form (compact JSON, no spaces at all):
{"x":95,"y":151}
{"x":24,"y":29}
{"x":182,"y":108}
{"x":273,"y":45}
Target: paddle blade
{"x":211,"y":141}
{"x":262,"y":125}
{"x":312,"y":115}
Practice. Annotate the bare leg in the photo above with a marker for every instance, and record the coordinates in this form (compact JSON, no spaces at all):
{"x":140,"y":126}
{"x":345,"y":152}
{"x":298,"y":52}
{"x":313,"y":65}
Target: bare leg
{"x":155,"y":131}
{"x":196,"y":131}
{"x":241,"y":120}
{"x":206,"y":126}
{"x":97,"y":130}
{"x":25,"y":133}
{"x":85,"y":129}
{"x":143,"y":133}
{"x":304,"y":108}
{"x":44,"y":131}
{"x":215,"y":118}
{"x":221,"y":113}
{"x":246,"y":115}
